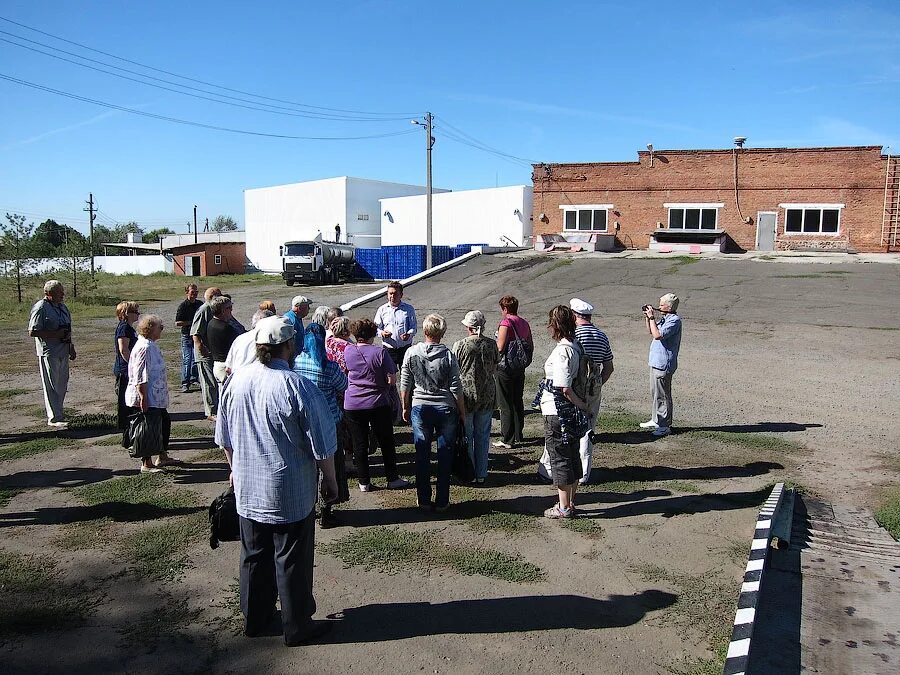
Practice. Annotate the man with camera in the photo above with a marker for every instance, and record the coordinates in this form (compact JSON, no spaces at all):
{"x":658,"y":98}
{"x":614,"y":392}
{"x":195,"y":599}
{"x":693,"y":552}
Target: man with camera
{"x":51,"y":327}
{"x":663,"y":360}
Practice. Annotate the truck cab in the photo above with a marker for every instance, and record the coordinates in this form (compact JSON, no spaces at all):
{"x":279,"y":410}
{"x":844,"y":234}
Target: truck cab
{"x":315,"y":261}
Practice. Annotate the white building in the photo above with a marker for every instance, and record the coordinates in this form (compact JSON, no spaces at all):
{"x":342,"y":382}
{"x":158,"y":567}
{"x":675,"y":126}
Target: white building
{"x":493,"y":216}
{"x":274,"y":215}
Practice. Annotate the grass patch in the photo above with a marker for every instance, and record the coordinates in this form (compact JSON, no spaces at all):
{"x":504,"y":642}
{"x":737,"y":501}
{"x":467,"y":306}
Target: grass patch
{"x":210,"y":455}
{"x":679,"y":261}
{"x":390,"y":549}
{"x":115,"y":439}
{"x":34,"y":446}
{"x":6,"y":394}
{"x":152,"y":490}
{"x":191,"y":431}
{"x":6,"y":495}
{"x":171,"y":618}
{"x":617,"y":421}
{"x":584,"y":526}
{"x":35,"y":598}
{"x":764,"y":442}
{"x":507,"y":523}
{"x":85,"y":535}
{"x":704,"y":602}
{"x":160,"y":551}
{"x":888,"y":512}
{"x":623,"y":486}
{"x":230,"y":600}
{"x":680,"y":486}
{"x":91,"y":421}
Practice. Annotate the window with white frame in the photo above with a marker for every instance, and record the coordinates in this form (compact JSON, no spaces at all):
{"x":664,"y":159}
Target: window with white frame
{"x":218,"y":260}
{"x":812,"y":218}
{"x":693,"y":216}
{"x":585,"y":217}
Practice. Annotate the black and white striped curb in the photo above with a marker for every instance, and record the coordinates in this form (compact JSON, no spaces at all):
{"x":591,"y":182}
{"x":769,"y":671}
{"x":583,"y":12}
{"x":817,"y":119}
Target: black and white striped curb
{"x":739,"y":647}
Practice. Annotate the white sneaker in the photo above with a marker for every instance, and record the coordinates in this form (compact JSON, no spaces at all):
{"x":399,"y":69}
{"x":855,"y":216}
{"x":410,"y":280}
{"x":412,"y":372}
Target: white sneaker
{"x":365,"y":487}
{"x":58,"y":425}
{"x":399,"y":484}
{"x":501,"y":444}
{"x":662,"y":431}
{"x":649,"y":424}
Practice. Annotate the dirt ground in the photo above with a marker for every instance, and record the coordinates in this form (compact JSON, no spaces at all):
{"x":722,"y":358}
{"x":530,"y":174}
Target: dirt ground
{"x":787,"y":372}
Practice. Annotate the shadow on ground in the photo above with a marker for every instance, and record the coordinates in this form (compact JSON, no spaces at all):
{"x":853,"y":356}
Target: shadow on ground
{"x":402,"y":620}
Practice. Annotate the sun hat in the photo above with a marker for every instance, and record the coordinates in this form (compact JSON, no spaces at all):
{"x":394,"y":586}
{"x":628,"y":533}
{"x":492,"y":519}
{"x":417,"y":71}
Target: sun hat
{"x":581,"y":307}
{"x":473,"y":319}
{"x":274,"y":330}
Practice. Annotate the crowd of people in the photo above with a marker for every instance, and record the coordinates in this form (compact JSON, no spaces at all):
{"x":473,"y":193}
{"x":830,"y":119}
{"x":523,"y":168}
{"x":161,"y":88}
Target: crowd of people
{"x":299,"y":408}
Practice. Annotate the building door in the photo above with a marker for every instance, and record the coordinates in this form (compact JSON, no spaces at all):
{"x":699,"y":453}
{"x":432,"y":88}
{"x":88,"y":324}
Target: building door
{"x":193,"y":266}
{"x":766,"y":222}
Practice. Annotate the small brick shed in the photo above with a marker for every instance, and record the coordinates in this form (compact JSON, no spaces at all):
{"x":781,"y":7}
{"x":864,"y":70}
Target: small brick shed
{"x":209,"y":258}
{"x":836,"y":198}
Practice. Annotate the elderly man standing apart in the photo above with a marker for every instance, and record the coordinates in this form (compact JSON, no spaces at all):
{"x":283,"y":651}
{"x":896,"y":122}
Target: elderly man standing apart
{"x":276,"y":429}
{"x":298,"y":311}
{"x":663,"y":362}
{"x":184,"y":317}
{"x":202,"y":357}
{"x":51,"y":327}
{"x":396,"y":323}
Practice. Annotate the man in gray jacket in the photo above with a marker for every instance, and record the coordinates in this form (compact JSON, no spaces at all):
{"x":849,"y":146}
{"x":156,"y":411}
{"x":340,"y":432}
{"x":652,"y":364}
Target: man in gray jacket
{"x":432,"y":398}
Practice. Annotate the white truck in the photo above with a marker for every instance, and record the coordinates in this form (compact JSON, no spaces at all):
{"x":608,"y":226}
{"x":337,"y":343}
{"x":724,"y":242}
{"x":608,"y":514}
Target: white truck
{"x":316,"y":261}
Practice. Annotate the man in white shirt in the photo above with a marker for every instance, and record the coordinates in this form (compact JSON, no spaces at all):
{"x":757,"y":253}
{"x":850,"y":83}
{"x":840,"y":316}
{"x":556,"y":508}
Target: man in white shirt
{"x":396,"y":323}
{"x":243,"y":349}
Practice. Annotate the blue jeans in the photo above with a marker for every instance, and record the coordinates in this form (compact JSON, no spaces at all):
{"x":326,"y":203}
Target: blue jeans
{"x":478,"y":431}
{"x":188,"y":368}
{"x":430,"y":422}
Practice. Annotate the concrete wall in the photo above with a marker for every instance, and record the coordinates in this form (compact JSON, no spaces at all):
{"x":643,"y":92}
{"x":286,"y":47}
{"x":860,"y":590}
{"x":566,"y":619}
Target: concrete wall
{"x":464,"y":217}
{"x":114,"y":264}
{"x":274,"y":215}
{"x":766,"y":178}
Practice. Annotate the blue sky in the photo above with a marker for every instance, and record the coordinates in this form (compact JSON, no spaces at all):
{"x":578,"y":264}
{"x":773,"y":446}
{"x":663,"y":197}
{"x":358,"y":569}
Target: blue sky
{"x":541,"y":81}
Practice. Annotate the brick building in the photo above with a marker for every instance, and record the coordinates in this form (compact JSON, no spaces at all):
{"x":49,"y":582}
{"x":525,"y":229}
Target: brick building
{"x":840,"y":199}
{"x":208,"y":259}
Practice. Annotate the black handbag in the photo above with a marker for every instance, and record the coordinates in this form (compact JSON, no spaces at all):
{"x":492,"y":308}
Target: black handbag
{"x":462,"y":468}
{"x":224,"y":523}
{"x":143,"y":435}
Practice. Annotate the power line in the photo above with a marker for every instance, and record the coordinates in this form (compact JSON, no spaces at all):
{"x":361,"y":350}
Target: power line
{"x":202,"y":125}
{"x":219,"y":98}
{"x":462,"y":137}
{"x":191,"y":79}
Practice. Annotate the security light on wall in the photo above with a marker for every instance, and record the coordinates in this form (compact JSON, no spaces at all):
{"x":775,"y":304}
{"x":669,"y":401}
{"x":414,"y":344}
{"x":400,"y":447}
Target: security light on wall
{"x":739,"y":141}
{"x":516,"y":212}
{"x":650,"y":150}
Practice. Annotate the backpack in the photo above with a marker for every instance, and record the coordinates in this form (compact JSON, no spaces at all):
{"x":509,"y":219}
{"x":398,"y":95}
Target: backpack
{"x":516,"y":355}
{"x":587,"y":380}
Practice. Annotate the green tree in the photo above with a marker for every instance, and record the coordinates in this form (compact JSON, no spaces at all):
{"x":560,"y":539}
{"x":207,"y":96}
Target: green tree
{"x":154,"y":236}
{"x":47,"y":238}
{"x":16,"y":248}
{"x":224,"y":224}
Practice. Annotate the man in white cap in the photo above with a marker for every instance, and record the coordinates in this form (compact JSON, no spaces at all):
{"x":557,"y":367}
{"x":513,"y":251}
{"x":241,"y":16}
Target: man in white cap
{"x":596,"y":346}
{"x":277,"y":431}
{"x":663,"y":361}
{"x":243,"y":349}
{"x":299,"y":311}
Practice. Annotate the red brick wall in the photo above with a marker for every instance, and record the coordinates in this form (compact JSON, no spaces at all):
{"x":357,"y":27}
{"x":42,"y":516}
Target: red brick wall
{"x":766,"y":178}
{"x":234,"y":258}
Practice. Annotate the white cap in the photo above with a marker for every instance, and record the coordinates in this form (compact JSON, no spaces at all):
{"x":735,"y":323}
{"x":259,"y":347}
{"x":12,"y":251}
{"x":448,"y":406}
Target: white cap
{"x":274,"y":330}
{"x":300,"y":300}
{"x":473,"y":319}
{"x":581,"y":307}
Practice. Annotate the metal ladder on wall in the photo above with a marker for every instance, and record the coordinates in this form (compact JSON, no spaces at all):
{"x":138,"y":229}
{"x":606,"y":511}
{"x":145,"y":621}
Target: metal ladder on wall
{"x":890,"y":220}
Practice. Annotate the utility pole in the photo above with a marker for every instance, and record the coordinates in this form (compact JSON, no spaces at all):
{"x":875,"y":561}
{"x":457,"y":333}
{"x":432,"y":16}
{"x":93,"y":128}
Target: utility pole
{"x":90,"y":209}
{"x":429,"y":143}
{"x":195,"y":223}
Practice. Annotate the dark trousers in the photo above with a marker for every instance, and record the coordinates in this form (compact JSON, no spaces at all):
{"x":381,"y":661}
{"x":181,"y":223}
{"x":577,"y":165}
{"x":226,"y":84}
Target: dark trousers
{"x":277,"y":562}
{"x":381,"y":423}
{"x":510,"y":390}
{"x":397,"y":355}
{"x":124,"y":411}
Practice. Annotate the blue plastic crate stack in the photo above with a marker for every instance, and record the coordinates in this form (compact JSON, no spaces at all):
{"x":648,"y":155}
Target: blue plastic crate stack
{"x":404,"y":261}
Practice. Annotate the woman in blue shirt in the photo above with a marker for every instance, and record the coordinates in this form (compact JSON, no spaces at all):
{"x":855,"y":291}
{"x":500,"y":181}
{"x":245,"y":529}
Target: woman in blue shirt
{"x":127,"y":312}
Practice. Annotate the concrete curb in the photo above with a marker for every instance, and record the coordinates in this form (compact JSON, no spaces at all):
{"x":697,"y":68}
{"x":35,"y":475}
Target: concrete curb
{"x":742,"y":633}
{"x":437,"y":269}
